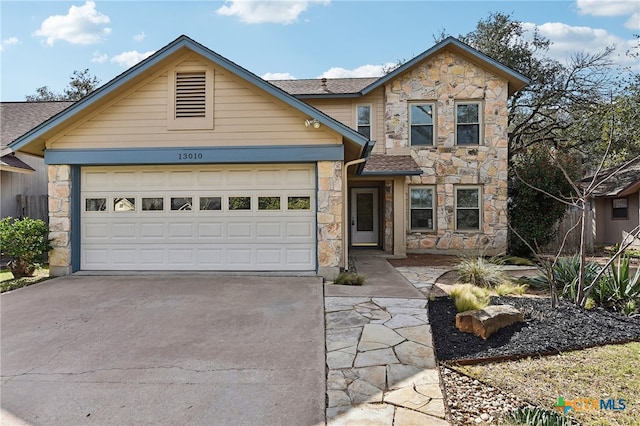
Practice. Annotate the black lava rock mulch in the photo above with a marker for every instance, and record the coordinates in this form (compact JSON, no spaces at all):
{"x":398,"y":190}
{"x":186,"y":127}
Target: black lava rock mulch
{"x":544,"y":331}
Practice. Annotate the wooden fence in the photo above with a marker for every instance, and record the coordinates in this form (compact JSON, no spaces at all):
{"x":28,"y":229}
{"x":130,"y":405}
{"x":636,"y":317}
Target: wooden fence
{"x":572,"y":241}
{"x":33,"y":206}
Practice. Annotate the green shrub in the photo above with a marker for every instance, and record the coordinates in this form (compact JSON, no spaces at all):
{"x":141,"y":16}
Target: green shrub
{"x":349,"y":279}
{"x":478,"y":270}
{"x":565,"y":274}
{"x":468,"y":297}
{"x":24,"y":241}
{"x":538,"y":417}
{"x":618,"y":290}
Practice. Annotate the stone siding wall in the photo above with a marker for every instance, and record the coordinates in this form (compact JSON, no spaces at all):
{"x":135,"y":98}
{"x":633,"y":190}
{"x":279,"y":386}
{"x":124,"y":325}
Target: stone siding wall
{"x":443,"y":80}
{"x":330,"y":218}
{"x":60,"y":220}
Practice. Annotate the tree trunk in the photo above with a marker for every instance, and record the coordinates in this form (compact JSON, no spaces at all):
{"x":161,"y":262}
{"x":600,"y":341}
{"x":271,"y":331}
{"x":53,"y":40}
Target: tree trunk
{"x":19,"y":268}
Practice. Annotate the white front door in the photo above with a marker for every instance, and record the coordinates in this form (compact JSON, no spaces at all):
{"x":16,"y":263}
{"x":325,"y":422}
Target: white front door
{"x":364,"y":217}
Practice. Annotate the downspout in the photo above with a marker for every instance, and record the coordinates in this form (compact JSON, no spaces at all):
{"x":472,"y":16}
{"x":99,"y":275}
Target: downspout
{"x":345,"y":212}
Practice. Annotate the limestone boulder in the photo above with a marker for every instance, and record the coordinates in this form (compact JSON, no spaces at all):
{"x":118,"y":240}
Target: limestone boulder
{"x":485,"y":322}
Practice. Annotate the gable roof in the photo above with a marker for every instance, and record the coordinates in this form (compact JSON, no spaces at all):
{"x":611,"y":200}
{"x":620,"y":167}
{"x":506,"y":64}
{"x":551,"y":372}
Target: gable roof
{"x":625,"y":182}
{"x":33,"y":141}
{"x":356,"y":87}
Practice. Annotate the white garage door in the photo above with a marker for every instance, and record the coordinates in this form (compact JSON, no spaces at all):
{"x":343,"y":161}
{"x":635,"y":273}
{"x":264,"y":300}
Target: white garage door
{"x":199,"y":218}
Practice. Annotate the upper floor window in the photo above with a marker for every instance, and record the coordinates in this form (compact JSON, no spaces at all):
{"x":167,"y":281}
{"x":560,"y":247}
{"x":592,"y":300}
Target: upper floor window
{"x":190,"y":100}
{"x":364,"y":120}
{"x":468,"y":123}
{"x":421,"y":208}
{"x":421,"y":119}
{"x":468,"y":212}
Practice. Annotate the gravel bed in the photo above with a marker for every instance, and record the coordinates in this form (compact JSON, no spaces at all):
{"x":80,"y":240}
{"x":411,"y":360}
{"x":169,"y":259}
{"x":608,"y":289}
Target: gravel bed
{"x":545,"y":330}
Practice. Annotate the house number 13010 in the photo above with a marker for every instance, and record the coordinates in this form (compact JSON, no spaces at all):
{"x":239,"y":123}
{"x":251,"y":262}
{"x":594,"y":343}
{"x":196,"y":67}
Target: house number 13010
{"x":190,"y":156}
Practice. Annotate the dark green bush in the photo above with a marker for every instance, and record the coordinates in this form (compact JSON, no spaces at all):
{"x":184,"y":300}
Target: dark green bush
{"x":538,"y":417}
{"x":25,"y":241}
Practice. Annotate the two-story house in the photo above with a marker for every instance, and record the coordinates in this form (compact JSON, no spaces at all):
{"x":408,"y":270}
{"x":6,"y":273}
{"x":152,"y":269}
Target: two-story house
{"x":188,"y":161}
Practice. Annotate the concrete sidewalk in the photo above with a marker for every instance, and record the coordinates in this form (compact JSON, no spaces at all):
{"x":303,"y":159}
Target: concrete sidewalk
{"x":382,"y":367}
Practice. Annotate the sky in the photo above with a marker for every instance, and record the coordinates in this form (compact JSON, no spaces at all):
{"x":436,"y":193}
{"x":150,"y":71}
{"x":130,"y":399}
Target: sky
{"x":43,"y":42}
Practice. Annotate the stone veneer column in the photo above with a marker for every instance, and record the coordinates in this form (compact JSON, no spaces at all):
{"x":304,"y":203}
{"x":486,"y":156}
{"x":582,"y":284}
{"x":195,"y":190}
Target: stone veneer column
{"x":59,"y":177}
{"x":329,"y":216}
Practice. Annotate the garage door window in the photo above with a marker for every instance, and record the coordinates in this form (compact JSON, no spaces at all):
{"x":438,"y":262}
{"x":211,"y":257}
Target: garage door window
{"x":152,"y":204}
{"x":95,"y":204}
{"x":210,"y":203}
{"x":239,"y":203}
{"x":299,"y":203}
{"x":268,"y":203}
{"x":181,"y":203}
{"x":124,"y":204}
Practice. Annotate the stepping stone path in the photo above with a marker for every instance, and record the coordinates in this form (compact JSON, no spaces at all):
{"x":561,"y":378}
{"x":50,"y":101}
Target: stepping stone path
{"x":381,"y":365}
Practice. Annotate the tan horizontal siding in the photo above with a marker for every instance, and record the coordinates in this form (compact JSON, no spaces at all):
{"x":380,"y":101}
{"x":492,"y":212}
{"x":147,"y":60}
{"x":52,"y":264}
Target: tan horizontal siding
{"x":243,"y":115}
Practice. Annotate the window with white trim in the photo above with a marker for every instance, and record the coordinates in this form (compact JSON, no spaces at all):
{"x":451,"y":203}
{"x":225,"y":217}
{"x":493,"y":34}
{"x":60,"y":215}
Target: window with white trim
{"x":468,"y":123}
{"x":363,"y":113}
{"x":190,"y":99}
{"x":468,"y":214}
{"x":421,"y":118}
{"x":421,"y":208}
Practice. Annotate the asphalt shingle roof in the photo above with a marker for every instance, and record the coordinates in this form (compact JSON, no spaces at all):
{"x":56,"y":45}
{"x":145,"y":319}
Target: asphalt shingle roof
{"x":328,"y":86}
{"x":617,"y":184}
{"x":379,"y":164}
{"x":17,"y":118}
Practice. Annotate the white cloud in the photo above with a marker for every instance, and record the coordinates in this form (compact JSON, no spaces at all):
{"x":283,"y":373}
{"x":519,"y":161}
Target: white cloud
{"x":82,"y":25}
{"x":361,"y":71}
{"x":612,"y":8}
{"x":140,"y":37}
{"x":267,"y":11}
{"x":129,"y":59}
{"x":99,"y":58}
{"x":567,"y":40}
{"x":277,"y":76}
{"x":8,"y":42}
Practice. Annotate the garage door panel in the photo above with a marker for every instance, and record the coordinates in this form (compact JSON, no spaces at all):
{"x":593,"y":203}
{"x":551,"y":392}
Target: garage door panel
{"x":210,"y":236}
{"x":124,"y":231}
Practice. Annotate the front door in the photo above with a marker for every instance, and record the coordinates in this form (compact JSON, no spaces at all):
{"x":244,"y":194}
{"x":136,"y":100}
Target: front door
{"x":364,"y":217}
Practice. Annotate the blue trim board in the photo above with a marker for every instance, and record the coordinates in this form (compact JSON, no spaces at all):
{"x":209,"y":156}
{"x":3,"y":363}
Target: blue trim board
{"x":76,"y":207}
{"x":196,"y":155}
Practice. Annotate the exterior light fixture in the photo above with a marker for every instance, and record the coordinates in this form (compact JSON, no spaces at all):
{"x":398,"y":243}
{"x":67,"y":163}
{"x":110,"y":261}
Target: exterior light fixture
{"x":312,"y":123}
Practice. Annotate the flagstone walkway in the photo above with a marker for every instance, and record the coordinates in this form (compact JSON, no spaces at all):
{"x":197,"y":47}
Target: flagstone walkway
{"x":382,"y":368}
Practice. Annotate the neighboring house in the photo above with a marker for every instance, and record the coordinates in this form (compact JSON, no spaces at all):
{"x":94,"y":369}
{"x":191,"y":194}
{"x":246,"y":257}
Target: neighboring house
{"x":22,"y":174}
{"x":188,"y":161}
{"x":616,"y":205}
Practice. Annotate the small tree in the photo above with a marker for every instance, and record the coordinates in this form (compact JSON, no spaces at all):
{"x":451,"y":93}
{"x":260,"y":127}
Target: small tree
{"x":82,"y":83}
{"x":25,"y":241}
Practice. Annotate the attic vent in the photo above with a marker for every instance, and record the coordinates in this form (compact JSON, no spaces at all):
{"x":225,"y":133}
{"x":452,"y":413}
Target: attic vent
{"x":191,"y":94}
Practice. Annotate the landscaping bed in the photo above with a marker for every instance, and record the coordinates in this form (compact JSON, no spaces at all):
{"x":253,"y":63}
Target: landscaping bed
{"x":544,"y":331}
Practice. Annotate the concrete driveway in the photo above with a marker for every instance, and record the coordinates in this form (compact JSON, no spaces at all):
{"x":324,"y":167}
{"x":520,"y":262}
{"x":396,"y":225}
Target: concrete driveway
{"x":184,"y":349}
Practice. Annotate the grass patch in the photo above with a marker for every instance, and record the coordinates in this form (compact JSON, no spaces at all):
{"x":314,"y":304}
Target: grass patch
{"x":349,"y":279}
{"x":480,"y":271}
{"x":7,"y":282}
{"x":603,"y":372}
{"x":469,"y":297}
{"x":507,"y":289}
